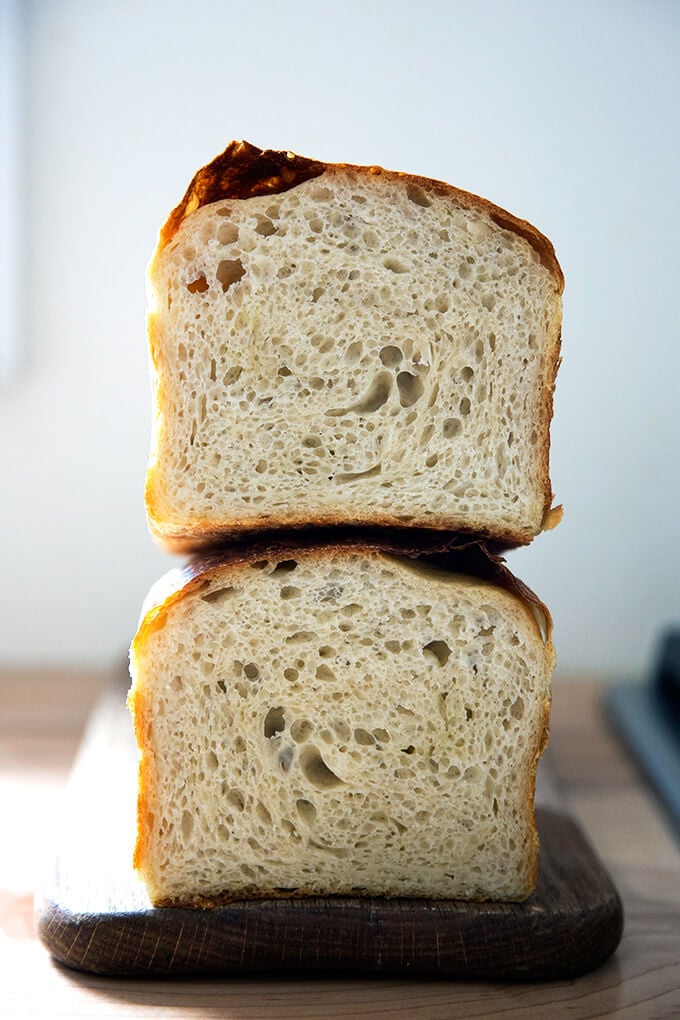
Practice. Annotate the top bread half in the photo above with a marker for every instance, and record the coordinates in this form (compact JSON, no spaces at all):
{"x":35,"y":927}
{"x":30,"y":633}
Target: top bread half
{"x":335,"y":345}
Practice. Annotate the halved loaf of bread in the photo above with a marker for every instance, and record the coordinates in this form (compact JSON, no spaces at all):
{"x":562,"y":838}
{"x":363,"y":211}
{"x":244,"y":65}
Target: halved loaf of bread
{"x":338,"y":720}
{"x":335,"y":344}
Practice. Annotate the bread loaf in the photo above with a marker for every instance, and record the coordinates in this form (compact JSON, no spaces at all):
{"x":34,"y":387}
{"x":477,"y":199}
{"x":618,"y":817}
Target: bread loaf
{"x":335,"y":344}
{"x":338,"y":719}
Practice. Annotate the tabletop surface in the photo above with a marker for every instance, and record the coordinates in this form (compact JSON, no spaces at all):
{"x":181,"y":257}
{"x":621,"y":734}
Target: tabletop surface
{"x":42,"y":715}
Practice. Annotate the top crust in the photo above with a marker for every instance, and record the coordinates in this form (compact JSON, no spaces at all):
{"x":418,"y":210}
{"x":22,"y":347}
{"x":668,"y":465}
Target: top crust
{"x":473,"y":558}
{"x":243,"y":171}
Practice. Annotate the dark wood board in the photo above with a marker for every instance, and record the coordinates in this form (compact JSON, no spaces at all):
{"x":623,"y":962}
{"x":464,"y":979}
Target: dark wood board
{"x":94,"y":915}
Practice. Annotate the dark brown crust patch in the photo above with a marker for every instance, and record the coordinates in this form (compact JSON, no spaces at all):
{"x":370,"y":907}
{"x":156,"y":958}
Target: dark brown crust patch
{"x":241,"y":171}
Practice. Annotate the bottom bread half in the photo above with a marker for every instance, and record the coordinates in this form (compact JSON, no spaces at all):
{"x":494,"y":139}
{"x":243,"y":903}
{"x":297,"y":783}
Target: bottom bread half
{"x":337,"y":721}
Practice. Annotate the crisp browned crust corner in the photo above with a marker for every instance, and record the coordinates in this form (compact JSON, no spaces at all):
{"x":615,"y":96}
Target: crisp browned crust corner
{"x":241,"y":171}
{"x":244,"y":171}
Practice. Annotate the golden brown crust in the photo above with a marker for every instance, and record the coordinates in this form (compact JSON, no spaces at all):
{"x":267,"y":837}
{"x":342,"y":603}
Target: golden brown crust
{"x":146,"y":782}
{"x":244,"y":171}
{"x":551,"y":516}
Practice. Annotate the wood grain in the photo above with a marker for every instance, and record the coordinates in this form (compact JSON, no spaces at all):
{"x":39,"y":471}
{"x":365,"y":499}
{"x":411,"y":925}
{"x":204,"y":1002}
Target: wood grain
{"x":571,"y":924}
{"x":603,"y":789}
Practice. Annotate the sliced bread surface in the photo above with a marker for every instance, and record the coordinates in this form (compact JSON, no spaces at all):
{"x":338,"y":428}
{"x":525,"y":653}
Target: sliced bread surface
{"x":337,"y":720}
{"x":336,"y":344}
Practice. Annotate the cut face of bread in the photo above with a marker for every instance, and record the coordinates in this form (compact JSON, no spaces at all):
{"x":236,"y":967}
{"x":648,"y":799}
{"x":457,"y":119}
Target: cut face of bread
{"x":361,"y":347}
{"x":337,"y":721}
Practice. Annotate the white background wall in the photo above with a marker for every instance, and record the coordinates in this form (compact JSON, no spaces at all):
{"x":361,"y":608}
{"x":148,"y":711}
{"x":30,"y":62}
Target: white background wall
{"x":566,"y":113}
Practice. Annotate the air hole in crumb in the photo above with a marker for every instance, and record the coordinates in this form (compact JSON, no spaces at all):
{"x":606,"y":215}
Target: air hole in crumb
{"x":300,"y":637}
{"x":451,"y":427}
{"x":517,"y":708}
{"x":265,"y":227}
{"x":437,"y":650}
{"x":263,"y":814}
{"x":351,"y":476}
{"x":316,"y":771}
{"x":274,"y":722}
{"x":227,"y":233}
{"x":391,"y":356}
{"x":342,"y":730}
{"x":324,"y":672}
{"x":418,"y":196}
{"x":300,"y":730}
{"x":464,"y":406}
{"x":218,"y":595}
{"x":289,"y":591}
{"x":306,"y":811}
{"x":229,"y":271}
{"x":410,"y":388}
{"x":363,"y":737}
{"x":187,"y":825}
{"x":198,"y":286}
{"x":372,"y":400}
{"x":284,"y":566}
{"x":395,"y":265}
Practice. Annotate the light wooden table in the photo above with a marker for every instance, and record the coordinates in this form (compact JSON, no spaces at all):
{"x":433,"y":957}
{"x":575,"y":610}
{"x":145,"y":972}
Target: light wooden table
{"x":41,"y":720}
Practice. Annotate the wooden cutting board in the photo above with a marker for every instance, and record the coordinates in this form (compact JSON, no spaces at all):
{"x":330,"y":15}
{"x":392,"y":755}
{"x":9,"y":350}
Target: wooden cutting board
{"x":94,"y":915}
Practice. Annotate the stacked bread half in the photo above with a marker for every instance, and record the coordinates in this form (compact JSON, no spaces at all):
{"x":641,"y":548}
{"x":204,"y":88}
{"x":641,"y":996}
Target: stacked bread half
{"x":345,"y":692}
